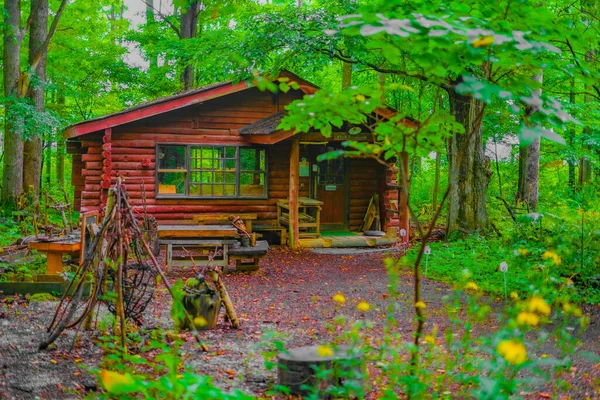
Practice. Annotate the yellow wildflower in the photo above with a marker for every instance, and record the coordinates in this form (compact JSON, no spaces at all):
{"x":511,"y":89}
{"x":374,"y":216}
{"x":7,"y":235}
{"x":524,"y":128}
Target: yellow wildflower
{"x":471,"y":286}
{"x":117,"y":383}
{"x":514,"y":295}
{"x":549,"y":254}
{"x":483,"y":41}
{"x":363,"y":306}
{"x":527,"y":318}
{"x":539,"y":305}
{"x":324,"y":351}
{"x":514,"y":352}
{"x":569,"y":308}
{"x":429,"y":339}
{"x":523,"y":252}
{"x":420,"y":304}
{"x":339,"y":298}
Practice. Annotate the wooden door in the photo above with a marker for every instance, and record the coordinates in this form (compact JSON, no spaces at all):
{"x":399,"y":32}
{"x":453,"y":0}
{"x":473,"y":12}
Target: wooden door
{"x":330,"y":188}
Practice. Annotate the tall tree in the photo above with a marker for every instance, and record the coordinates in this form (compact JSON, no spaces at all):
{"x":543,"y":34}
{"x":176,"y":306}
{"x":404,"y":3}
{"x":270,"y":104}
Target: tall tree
{"x":12,"y":174}
{"x":17,"y":87}
{"x":32,"y":149}
{"x":529,"y":160}
{"x":188,"y":28}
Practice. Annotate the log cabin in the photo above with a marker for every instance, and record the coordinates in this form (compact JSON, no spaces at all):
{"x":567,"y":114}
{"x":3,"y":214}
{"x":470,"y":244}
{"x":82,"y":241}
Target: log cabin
{"x":217,"y":149}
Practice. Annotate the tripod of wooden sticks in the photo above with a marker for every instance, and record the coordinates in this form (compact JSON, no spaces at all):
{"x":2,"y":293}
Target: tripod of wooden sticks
{"x":119,"y":255}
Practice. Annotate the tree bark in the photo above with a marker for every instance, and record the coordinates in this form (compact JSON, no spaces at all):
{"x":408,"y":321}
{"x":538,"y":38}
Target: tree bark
{"x":529,"y":163}
{"x":150,"y":20}
{"x":570,"y":161}
{"x":48,"y":165}
{"x":60,"y":149}
{"x":32,"y":149}
{"x":469,"y":170}
{"x":12,"y":177}
{"x":188,"y":29}
{"x":346,"y":75}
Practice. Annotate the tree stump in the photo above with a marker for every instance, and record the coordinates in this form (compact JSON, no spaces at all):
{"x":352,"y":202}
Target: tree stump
{"x":304,"y":371}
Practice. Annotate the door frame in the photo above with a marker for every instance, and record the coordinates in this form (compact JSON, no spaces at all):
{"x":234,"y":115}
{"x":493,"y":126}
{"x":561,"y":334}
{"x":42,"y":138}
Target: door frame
{"x":313,"y":153}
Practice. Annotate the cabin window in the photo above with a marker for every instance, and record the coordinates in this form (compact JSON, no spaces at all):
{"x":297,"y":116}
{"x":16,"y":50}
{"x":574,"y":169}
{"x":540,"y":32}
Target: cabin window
{"x":211,"y":171}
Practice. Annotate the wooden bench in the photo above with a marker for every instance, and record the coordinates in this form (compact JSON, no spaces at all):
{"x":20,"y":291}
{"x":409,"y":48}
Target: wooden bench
{"x":279,"y":230}
{"x":207,"y":237}
{"x":306,"y":222}
{"x":212,"y":217}
{"x":248,"y":258}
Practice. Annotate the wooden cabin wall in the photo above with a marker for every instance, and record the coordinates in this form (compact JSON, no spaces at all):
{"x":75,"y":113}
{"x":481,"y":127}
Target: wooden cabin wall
{"x":132,"y":155}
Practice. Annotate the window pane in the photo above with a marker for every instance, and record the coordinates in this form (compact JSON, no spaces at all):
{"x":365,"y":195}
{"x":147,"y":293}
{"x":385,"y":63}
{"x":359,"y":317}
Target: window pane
{"x":229,"y":177}
{"x":206,"y":190}
{"x":207,"y":177}
{"x":252,"y":159}
{"x":194,"y":189}
{"x":229,"y":190}
{"x":171,"y":157}
{"x":252,"y":184}
{"x":171,"y":183}
{"x":230,"y":152}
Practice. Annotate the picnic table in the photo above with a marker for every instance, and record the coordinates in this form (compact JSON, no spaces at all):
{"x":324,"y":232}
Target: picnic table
{"x":207,"y":237}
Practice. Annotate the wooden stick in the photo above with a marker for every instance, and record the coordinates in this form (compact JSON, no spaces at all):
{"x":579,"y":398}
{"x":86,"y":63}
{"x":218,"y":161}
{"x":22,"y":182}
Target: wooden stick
{"x":220,"y":286}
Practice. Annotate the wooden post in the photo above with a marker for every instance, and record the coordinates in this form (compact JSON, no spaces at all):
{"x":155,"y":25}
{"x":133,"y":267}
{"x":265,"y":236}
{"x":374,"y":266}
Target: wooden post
{"x":403,"y":199}
{"x":105,"y":177}
{"x":294,"y":182}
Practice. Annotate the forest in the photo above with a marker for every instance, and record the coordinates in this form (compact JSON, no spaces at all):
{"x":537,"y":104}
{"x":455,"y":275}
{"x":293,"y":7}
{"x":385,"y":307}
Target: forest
{"x":493,"y":128}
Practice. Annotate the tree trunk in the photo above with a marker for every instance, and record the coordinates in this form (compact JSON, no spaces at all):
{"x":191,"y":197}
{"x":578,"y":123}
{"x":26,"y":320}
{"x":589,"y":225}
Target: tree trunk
{"x":529,"y":163}
{"x":188,"y":28}
{"x":570,"y":161}
{"x":469,"y":170}
{"x":150,"y":20}
{"x":48,"y":165}
{"x":381,"y":78}
{"x":60,"y":149}
{"x":346,"y":75}
{"x":12,"y":177}
{"x":436,"y":182}
{"x":585,"y":166}
{"x":32,"y":149}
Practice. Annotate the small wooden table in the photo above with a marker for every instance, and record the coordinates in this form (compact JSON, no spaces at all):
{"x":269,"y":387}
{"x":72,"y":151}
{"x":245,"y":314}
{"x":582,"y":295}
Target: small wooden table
{"x":54,"y":252}
{"x":305,"y":220}
{"x":246,"y":217}
{"x":206,"y":236}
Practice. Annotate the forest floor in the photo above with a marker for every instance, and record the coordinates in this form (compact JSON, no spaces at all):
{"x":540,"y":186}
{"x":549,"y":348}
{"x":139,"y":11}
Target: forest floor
{"x":291,"y":294}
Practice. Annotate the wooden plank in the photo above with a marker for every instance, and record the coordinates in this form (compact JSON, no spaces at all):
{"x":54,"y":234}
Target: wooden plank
{"x":199,"y":242}
{"x":196,"y":231}
{"x":294,"y":231}
{"x":129,"y":150}
{"x":223,"y":217}
{"x":65,"y":247}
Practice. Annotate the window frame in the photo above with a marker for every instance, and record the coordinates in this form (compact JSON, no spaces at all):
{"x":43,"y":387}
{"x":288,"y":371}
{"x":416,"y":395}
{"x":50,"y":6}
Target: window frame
{"x":188,"y":172}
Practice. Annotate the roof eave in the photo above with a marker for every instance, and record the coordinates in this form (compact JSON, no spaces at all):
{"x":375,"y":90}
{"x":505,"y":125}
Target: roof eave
{"x":151,"y":110}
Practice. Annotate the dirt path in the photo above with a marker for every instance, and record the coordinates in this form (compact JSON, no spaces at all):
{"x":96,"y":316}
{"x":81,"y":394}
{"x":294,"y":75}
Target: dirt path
{"x":291,"y":294}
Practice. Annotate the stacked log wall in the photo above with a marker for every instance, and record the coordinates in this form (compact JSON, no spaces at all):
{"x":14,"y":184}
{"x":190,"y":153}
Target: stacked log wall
{"x":131,"y":153}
